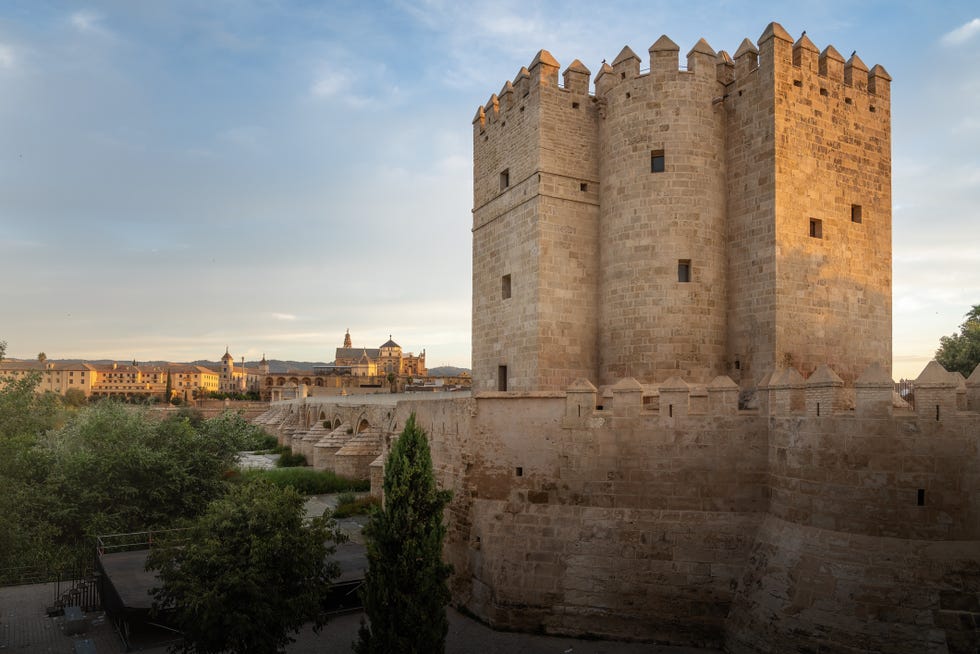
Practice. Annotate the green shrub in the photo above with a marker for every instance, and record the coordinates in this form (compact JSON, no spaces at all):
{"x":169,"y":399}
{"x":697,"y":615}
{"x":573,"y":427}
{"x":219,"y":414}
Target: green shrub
{"x":358,"y":506}
{"x":308,"y":481}
{"x":290,"y":460}
{"x":264,"y":442}
{"x":346,"y":498}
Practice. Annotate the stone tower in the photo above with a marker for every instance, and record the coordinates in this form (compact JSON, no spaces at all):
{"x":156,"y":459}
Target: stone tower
{"x":535,"y":230}
{"x":226,"y":382}
{"x":725,"y":218}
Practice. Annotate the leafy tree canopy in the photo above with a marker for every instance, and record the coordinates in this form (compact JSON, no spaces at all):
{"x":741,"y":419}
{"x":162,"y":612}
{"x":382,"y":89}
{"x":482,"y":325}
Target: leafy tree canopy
{"x":961,"y":352}
{"x":69,"y":474}
{"x":405,"y":592}
{"x":248,"y":573}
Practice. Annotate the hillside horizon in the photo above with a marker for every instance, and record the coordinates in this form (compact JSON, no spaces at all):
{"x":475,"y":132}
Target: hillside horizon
{"x":275,"y":365}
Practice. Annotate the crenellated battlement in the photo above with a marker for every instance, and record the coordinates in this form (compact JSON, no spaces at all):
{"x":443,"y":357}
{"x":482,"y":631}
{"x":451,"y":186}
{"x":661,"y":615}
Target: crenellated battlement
{"x":784,"y":392}
{"x":775,"y":47}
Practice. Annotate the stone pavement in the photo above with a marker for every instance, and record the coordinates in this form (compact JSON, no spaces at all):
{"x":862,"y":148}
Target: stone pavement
{"x":25,"y":627}
{"x":467,"y":636}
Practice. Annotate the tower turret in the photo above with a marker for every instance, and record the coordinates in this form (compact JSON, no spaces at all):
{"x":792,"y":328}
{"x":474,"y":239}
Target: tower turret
{"x":535,"y":221}
{"x":662,"y":218}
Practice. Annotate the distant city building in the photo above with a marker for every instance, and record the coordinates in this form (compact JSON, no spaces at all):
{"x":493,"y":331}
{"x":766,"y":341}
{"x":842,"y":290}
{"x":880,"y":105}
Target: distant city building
{"x":382,"y":360}
{"x":353,"y":368}
{"x":114,"y":379}
{"x":243,"y":379}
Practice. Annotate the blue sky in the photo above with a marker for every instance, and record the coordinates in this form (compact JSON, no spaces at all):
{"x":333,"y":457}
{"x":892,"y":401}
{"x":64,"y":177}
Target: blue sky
{"x":179,"y":176}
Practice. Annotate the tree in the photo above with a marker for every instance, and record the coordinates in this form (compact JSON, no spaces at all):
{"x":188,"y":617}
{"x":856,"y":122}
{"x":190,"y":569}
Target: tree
{"x":67,"y":475}
{"x":169,"y":390}
{"x":75,"y":397}
{"x":42,"y":357}
{"x":25,"y":415}
{"x":961,"y":352}
{"x":118,"y":469}
{"x":405,"y":592}
{"x":392,"y":378}
{"x":247,"y":574}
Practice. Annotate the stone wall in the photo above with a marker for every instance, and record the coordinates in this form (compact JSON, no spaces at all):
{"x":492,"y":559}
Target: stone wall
{"x":670,"y":518}
{"x":616,"y":527}
{"x":669,"y":515}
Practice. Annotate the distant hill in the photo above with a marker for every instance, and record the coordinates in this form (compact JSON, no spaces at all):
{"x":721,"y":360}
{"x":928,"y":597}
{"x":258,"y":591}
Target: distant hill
{"x":447,"y":371}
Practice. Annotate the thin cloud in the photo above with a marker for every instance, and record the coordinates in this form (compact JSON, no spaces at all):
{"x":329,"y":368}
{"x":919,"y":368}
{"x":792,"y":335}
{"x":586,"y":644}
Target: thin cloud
{"x":87,"y":22}
{"x":329,"y":85}
{"x":284,"y":316}
{"x":7,"y":59}
{"x":963,"y":33}
{"x":339,"y":86}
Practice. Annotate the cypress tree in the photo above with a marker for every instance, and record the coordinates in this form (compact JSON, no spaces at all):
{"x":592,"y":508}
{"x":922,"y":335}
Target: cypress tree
{"x":405,"y":592}
{"x":170,"y":388}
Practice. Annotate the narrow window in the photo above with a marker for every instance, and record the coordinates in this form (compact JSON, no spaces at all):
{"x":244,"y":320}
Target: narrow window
{"x":505,"y":287}
{"x":848,"y":101}
{"x":575,"y":105}
{"x":823,"y":91}
{"x":501,"y":378}
{"x":816,"y":228}
{"x":583,"y":187}
{"x":518,"y":471}
{"x":871,"y":108}
{"x":657,"y":161}
{"x":855,"y":213}
{"x":684,"y":270}
{"x":798,"y":83}
{"x":505,"y":179}
{"x":921,"y":497}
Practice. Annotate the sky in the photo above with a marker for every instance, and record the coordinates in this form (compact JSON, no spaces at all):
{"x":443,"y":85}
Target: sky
{"x":180,"y":176}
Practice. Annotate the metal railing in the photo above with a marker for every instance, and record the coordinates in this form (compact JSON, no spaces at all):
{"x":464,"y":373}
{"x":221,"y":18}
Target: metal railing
{"x":906,"y":390}
{"x":137,"y":540}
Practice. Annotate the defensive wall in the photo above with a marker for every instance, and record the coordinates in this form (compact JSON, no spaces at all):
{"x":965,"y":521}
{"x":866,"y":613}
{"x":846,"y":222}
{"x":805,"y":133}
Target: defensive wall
{"x":826,"y":519}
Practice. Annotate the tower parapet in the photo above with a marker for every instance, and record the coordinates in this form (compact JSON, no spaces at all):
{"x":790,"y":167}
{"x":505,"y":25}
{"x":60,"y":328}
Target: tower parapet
{"x":973,"y":390}
{"x":873,"y":392}
{"x":935,"y":392}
